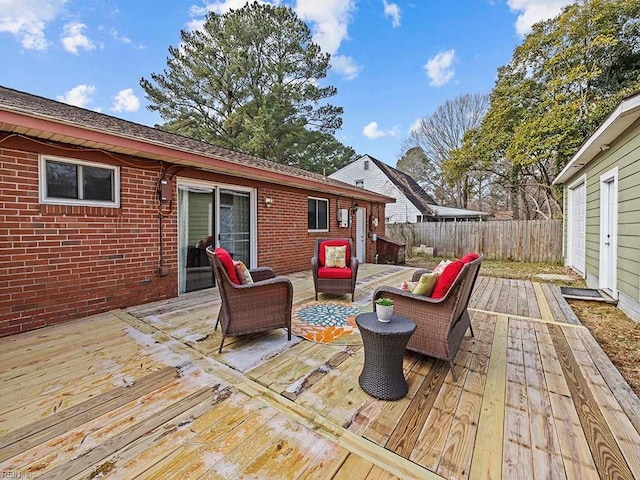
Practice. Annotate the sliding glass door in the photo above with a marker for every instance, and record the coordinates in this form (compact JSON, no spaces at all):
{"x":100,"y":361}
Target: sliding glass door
{"x":235,"y":224}
{"x":216,"y":216}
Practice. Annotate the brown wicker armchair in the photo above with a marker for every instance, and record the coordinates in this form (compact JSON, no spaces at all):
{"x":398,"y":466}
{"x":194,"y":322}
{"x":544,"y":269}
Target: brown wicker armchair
{"x":442,"y":322}
{"x":261,"y":306}
{"x":332,"y":279}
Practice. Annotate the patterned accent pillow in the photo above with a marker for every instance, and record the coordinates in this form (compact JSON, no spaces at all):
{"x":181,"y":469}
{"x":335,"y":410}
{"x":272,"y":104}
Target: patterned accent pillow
{"x":441,"y":266}
{"x":244,"y":275}
{"x":408,"y":286}
{"x":335,"y":257}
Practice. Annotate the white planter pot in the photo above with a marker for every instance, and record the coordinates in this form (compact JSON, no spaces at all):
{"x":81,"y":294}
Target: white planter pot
{"x":384,"y":313}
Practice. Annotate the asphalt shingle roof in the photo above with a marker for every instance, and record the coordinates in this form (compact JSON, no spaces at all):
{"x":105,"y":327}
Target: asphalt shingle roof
{"x":408,"y":186}
{"x":44,"y":108}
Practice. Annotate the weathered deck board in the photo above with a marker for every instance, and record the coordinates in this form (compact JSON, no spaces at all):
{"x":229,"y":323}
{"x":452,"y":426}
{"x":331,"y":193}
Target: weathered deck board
{"x":429,"y":448}
{"x":458,"y":449}
{"x":574,"y":447}
{"x":615,"y":382}
{"x":83,"y":369}
{"x":338,"y":396}
{"x":376,"y":421}
{"x":407,"y":429}
{"x":486,"y":459}
{"x":288,"y":370}
{"x":143,"y":453}
{"x":535,"y":398}
{"x":606,"y":454}
{"x":354,"y":468}
{"x":49,"y":427}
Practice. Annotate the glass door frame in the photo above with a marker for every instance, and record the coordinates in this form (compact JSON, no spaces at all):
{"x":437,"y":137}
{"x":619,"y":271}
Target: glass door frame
{"x":216,"y":186}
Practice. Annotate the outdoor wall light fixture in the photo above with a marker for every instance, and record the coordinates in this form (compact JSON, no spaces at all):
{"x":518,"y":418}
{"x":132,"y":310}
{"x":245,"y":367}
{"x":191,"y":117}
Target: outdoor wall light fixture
{"x":268,"y":201}
{"x":354,"y":209}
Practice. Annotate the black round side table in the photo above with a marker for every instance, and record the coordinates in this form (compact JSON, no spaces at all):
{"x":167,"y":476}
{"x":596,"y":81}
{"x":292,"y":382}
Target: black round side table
{"x":384,"y":346}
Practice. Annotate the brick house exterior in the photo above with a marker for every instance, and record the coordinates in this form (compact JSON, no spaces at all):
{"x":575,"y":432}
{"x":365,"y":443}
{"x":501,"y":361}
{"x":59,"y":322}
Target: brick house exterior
{"x":61,"y":261}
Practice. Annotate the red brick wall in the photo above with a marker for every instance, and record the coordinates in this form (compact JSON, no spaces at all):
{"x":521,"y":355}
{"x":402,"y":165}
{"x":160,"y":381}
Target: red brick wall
{"x":285,"y":244}
{"x":65,"y":262}
{"x":58,"y":263}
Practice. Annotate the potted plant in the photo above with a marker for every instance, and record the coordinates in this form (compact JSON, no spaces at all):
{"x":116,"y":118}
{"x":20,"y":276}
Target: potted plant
{"x":384,"y":309}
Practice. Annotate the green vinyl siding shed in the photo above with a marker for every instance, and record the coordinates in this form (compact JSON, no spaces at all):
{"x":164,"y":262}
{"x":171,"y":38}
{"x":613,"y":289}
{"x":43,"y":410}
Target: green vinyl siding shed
{"x":602,"y":207}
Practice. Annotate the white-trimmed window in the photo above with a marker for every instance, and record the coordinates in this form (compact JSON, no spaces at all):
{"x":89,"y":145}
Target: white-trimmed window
{"x":318,"y":214}
{"x":77,"y":182}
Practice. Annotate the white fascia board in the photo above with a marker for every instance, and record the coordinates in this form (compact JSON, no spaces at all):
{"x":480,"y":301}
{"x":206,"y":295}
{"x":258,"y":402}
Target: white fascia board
{"x":627,"y":112}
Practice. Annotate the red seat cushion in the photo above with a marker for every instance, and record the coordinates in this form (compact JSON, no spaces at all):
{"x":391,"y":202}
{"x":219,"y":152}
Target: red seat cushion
{"x":227,"y":263}
{"x":333,"y":243}
{"x":469,"y":257}
{"x":324,"y":272}
{"x":447,"y":278}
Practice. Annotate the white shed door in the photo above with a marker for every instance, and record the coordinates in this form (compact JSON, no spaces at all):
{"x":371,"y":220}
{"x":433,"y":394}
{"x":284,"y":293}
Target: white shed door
{"x":576,"y":223}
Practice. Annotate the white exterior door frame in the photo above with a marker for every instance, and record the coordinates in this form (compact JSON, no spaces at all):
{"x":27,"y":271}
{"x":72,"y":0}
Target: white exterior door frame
{"x":609,"y":232}
{"x":361,"y":234}
{"x":576,"y":225}
{"x":214,"y":225}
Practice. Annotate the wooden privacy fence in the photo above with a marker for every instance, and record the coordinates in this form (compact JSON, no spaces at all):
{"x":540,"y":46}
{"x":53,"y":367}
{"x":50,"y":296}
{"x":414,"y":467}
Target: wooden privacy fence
{"x":517,"y":240}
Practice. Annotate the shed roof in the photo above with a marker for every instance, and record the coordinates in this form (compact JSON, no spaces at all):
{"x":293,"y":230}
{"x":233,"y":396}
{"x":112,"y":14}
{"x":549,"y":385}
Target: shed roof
{"x":625,"y":114}
{"x":453,"y":212}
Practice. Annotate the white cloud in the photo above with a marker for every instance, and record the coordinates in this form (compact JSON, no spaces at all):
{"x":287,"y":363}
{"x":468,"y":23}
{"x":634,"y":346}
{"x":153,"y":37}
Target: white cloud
{"x":124,"y":39}
{"x":345,"y":66}
{"x":371,"y":131}
{"x":79,"y":96}
{"x":196,"y":24}
{"x":223,"y":6}
{"x":415,"y":126}
{"x":125,"y":101}
{"x":440,"y":68}
{"x":120,"y":38}
{"x":73,"y":38}
{"x":27,"y":19}
{"x":219,"y":7}
{"x":392,"y":10}
{"x":329,"y":20}
{"x":533,"y":11}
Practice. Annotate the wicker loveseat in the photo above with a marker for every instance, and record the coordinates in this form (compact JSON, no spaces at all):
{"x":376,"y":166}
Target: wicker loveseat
{"x":263,"y":305}
{"x":332,"y":279}
{"x":441,"y":322}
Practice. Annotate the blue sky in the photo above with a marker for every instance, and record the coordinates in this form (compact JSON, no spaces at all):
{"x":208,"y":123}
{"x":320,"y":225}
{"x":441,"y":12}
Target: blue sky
{"x":393,"y":61}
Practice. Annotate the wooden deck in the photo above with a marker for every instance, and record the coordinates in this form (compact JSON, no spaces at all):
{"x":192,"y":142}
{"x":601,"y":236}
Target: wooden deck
{"x":143,"y":393}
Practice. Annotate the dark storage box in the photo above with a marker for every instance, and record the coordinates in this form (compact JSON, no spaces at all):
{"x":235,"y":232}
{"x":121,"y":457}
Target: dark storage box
{"x":390,"y":250}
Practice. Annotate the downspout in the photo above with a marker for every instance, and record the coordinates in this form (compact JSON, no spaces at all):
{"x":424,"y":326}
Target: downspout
{"x":162,"y":270}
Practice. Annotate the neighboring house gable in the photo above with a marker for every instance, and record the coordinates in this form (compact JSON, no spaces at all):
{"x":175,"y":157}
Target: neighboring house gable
{"x":413,"y":203}
{"x":373,"y":175}
{"x":602,"y":207}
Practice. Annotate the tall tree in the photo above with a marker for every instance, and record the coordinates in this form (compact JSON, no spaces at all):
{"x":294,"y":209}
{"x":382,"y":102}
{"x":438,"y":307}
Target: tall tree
{"x":249,"y":80}
{"x":565,"y":77}
{"x":415,"y":163}
{"x":435,"y":138}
